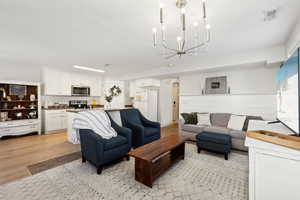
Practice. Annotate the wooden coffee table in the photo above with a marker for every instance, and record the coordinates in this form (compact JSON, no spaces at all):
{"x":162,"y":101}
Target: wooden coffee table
{"x":152,"y":159}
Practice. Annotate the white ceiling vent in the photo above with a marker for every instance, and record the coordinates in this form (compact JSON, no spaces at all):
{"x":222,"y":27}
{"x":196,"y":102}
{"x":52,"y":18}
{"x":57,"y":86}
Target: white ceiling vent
{"x":270,"y":15}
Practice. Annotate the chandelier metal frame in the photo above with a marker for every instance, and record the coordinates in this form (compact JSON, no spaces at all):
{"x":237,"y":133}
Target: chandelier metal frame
{"x":181,"y":40}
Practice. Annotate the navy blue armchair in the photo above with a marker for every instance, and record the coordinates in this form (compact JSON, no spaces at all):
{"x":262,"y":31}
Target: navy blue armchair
{"x":143,"y":130}
{"x":99,"y":151}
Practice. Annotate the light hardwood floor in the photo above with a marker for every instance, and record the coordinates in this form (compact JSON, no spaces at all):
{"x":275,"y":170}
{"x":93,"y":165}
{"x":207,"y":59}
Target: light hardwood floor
{"x":18,"y":153}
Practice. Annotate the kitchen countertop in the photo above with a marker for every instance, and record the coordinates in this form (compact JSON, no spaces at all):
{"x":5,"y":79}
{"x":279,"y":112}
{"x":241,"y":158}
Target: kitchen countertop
{"x":56,"y":108}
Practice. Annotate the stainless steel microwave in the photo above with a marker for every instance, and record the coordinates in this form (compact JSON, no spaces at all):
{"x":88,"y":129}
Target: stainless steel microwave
{"x":80,"y":91}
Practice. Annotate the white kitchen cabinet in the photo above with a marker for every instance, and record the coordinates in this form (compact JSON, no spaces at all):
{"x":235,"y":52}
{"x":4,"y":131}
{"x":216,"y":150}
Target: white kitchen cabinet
{"x":95,"y":86}
{"x":66,"y":84}
{"x":57,"y":82}
{"x":54,"y":120}
{"x":150,"y":82}
{"x":79,"y":79}
{"x":52,"y":82}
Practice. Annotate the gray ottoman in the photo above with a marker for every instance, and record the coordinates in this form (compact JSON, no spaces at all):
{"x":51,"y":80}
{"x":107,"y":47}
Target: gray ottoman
{"x":215,"y":142}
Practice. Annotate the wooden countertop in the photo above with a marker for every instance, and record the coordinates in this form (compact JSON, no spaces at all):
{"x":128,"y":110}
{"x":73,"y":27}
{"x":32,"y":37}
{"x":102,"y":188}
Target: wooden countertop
{"x":292,"y":142}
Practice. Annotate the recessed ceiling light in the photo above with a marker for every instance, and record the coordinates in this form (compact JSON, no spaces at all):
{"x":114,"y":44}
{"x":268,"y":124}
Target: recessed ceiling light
{"x":88,"y":69}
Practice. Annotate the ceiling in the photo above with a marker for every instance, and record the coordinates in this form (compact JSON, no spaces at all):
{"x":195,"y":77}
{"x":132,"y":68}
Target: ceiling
{"x":63,"y":33}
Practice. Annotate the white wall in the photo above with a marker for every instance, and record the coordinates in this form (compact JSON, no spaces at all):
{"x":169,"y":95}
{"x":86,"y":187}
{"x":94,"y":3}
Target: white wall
{"x":20,"y":73}
{"x":165,"y":102}
{"x":294,"y":40}
{"x":253,"y":92}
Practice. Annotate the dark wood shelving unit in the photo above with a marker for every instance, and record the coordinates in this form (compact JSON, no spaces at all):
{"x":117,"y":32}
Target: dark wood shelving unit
{"x":19,"y":101}
{"x":14,"y":105}
{"x":19,"y":109}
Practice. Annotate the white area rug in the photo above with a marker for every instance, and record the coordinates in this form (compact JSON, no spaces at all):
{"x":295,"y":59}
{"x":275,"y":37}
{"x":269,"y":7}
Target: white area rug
{"x":202,"y":176}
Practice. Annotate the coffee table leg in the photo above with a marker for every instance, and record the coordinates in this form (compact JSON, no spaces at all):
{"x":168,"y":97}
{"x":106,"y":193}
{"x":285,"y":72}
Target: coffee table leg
{"x":143,"y":172}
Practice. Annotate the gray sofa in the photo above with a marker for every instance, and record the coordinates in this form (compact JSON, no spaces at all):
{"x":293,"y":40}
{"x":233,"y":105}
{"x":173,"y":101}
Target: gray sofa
{"x":219,"y":123}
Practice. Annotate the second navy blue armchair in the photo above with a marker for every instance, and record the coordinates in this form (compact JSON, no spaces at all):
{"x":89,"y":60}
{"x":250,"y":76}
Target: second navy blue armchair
{"x":144,"y":131}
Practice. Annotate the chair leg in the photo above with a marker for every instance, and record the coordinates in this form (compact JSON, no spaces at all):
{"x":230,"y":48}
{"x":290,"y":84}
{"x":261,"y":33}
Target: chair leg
{"x":83,"y":159}
{"x":226,"y":156}
{"x":127,"y":157}
{"x":199,"y":150}
{"x":99,"y":170}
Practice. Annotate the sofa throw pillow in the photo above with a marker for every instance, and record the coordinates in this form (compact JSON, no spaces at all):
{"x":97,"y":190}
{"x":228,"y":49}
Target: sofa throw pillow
{"x":189,"y":118}
{"x":203,"y":119}
{"x":248,"y":118}
{"x":193,"y":118}
{"x":236,"y":122}
{"x":185,"y":117}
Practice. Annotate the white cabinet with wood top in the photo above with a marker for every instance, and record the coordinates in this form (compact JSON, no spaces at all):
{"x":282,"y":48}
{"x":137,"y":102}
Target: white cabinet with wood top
{"x":274,"y":163}
{"x":54,"y":120}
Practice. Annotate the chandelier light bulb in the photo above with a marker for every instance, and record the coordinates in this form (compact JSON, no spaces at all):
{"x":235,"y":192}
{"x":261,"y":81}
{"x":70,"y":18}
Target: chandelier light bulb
{"x":196,"y":24}
{"x":208,"y":26}
{"x":161,"y":5}
{"x":178,"y":38}
{"x":154,"y":30}
{"x":183,"y":10}
{"x":203,"y":1}
{"x":163,"y":27}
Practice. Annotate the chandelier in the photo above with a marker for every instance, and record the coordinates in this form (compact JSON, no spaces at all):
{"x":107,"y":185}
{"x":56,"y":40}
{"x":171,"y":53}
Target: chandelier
{"x":182,"y":48}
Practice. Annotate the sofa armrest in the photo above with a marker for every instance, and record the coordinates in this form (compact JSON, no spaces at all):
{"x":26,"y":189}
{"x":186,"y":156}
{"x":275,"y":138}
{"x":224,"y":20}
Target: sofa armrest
{"x":149,"y":123}
{"x":126,"y":132}
{"x":92,"y":145}
{"x":138,"y":132}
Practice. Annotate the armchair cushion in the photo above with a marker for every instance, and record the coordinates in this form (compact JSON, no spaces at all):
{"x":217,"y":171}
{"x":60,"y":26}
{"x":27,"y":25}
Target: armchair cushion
{"x":131,"y":116}
{"x":150,"y":131}
{"x":114,"y":142}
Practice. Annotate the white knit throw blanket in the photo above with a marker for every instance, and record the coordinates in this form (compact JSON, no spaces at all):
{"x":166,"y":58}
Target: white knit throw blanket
{"x":96,"y":120}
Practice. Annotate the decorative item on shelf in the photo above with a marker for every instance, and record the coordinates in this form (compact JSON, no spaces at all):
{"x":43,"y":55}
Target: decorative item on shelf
{"x":32,"y":97}
{"x":21,"y":97}
{"x":182,"y":42}
{"x":32,"y":106}
{"x":17,"y":90}
{"x":32,"y":115}
{"x":3,"y":116}
{"x":202,"y":92}
{"x":8,"y":98}
{"x":5,"y":106}
{"x":19,"y":115}
{"x":3,"y":93}
{"x":228,"y":90}
{"x":18,"y":107}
